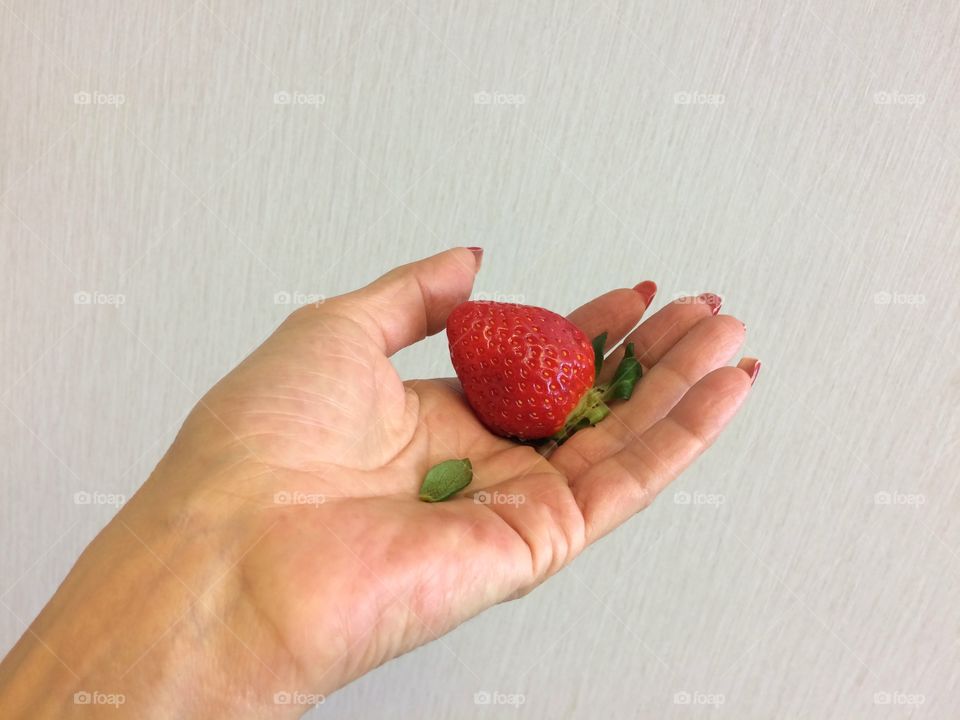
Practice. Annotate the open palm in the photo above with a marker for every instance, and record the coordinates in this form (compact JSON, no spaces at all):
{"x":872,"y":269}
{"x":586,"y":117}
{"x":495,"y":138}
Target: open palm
{"x":319,"y":447}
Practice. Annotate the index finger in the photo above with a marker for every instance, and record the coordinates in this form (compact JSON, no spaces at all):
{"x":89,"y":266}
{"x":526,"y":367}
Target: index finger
{"x":616,"y":312}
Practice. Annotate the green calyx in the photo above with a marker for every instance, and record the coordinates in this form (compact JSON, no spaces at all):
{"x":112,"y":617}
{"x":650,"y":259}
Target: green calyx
{"x":593,"y":407}
{"x":446,"y":479}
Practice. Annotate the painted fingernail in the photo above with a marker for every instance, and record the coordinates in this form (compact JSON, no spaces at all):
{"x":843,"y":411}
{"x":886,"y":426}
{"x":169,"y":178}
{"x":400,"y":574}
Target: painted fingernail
{"x":714,"y":301}
{"x":646,"y":290}
{"x":478,"y":254}
{"x":755,"y":371}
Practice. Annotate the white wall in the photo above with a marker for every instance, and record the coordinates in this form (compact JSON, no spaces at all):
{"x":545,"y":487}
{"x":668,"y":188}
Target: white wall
{"x":803,"y":198}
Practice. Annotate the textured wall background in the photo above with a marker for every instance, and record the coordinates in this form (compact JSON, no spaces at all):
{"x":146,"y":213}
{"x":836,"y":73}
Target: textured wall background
{"x":801,"y":159}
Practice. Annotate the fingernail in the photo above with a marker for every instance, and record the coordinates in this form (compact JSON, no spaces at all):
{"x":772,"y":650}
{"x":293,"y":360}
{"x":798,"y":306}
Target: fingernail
{"x":478,"y":254}
{"x":755,"y":371}
{"x":646,"y":290}
{"x":714,"y":301}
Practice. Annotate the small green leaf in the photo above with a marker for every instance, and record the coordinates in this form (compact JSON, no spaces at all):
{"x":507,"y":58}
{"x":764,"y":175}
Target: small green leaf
{"x":445,"y":479}
{"x":598,"y":344}
{"x":625,"y":378}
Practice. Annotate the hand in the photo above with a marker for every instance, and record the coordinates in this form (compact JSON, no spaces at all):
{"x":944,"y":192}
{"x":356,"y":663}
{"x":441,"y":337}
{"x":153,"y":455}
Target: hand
{"x":280,"y":546}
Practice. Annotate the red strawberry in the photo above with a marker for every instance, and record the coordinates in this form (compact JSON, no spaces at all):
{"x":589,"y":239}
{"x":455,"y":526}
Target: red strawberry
{"x":529,"y":373}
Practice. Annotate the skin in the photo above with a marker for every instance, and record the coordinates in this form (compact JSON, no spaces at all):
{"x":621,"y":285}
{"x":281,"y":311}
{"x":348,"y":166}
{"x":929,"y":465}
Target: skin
{"x":279,"y":546}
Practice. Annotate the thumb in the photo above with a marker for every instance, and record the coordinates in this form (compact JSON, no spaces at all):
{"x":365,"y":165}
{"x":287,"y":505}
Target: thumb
{"x":411,"y":301}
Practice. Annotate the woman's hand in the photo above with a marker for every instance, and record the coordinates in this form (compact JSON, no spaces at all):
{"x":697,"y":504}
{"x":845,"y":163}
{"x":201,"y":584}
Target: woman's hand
{"x":279,"y":550}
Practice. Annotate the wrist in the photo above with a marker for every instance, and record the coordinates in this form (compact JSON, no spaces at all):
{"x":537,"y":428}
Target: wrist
{"x":152,"y":621}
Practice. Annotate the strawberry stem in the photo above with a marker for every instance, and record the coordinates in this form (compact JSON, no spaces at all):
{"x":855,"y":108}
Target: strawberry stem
{"x":592,"y":407}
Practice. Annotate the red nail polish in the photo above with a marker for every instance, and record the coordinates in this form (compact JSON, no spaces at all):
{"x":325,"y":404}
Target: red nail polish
{"x":646,"y":290}
{"x":714,"y":301}
{"x":755,"y":372}
{"x":478,"y":254}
